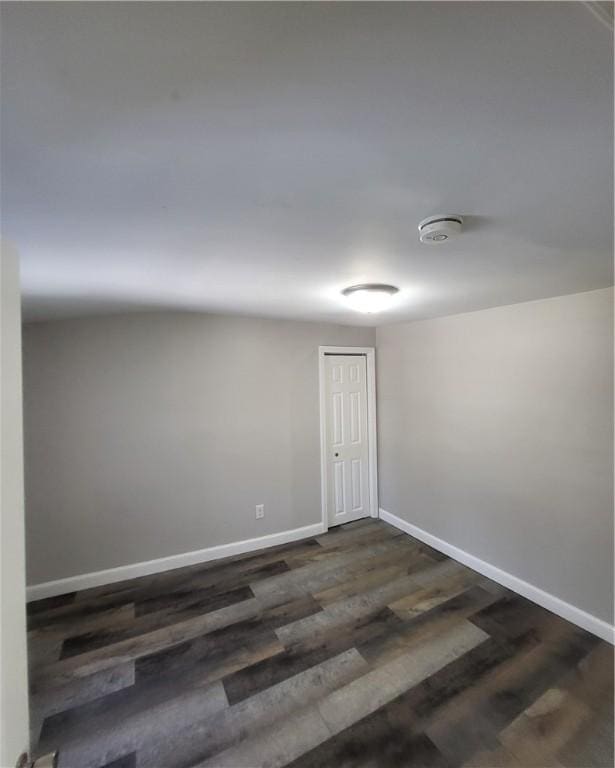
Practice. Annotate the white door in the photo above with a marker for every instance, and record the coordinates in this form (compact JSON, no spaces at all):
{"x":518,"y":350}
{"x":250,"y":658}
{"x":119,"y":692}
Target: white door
{"x":347,"y":438}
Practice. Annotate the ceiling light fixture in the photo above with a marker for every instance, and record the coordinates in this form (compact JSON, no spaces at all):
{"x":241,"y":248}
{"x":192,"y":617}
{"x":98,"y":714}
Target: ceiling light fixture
{"x":370,"y":297}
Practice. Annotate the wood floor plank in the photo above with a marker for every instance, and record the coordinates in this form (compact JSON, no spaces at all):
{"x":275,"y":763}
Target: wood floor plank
{"x":63,"y":627}
{"x":339,"y":613}
{"x":277,"y":745}
{"x":315,"y":576}
{"x":391,"y":729}
{"x":202,"y":740}
{"x":373,"y":576}
{"x":201,"y":588}
{"x":309,"y":653}
{"x":147,"y":622}
{"x":126,"y":761}
{"x":433,"y":595}
{"x":591,"y":679}
{"x":473,"y":721}
{"x":499,"y":757}
{"x":97,"y":599}
{"x":352,"y":532}
{"x":428,"y":625}
{"x":214,"y":648}
{"x":209,"y":572}
{"x":592,"y":745}
{"x":75,"y":694}
{"x":119,"y":730}
{"x":348,"y":543}
{"x":50,"y":603}
{"x":371,"y":743}
{"x":362,"y":647}
{"x":536,"y":736}
{"x":282,"y":743}
{"x":404,"y":560}
{"x":364,"y":695}
{"x":86,"y":664}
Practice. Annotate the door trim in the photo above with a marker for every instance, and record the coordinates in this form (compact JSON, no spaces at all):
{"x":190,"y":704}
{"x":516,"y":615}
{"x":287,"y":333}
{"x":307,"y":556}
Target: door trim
{"x":372,"y":447}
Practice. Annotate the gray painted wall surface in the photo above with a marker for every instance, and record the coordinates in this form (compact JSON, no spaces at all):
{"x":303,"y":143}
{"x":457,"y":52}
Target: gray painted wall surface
{"x":149,"y":435}
{"x":496,"y":435}
{"x":13,"y":663}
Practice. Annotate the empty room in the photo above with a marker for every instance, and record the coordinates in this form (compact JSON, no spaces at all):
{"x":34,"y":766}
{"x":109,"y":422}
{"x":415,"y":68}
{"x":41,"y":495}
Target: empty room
{"x":307,"y":385}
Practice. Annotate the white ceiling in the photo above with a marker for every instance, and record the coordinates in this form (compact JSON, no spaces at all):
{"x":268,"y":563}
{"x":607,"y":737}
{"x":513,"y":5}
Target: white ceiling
{"x":257,"y":158}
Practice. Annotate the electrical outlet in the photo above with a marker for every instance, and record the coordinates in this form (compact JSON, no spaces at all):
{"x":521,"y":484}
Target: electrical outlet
{"x":260,"y":511}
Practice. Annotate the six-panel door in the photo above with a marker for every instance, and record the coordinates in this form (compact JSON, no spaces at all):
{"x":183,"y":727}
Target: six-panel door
{"x":347,"y":438}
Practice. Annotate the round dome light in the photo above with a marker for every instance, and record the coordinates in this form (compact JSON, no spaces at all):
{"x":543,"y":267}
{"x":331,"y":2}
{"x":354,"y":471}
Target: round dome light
{"x":370,"y":297}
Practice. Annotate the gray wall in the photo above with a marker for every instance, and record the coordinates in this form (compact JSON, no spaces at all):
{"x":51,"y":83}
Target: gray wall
{"x":149,"y":435}
{"x":13,"y":663}
{"x":496,"y":435}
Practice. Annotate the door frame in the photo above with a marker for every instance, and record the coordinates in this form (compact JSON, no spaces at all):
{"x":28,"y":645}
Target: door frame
{"x":372,"y":434}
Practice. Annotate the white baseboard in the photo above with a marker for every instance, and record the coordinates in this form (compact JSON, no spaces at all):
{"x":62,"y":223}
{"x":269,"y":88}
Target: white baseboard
{"x":567,"y":611}
{"x":133,"y":571}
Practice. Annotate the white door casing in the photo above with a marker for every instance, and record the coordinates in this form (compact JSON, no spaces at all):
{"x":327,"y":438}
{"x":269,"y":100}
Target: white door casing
{"x":347,"y":438}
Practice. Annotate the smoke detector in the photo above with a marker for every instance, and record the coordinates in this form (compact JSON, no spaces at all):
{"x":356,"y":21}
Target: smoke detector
{"x":439,"y":228}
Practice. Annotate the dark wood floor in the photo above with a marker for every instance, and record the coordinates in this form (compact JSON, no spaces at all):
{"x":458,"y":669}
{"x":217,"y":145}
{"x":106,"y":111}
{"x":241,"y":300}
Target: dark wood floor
{"x":362,"y":647}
